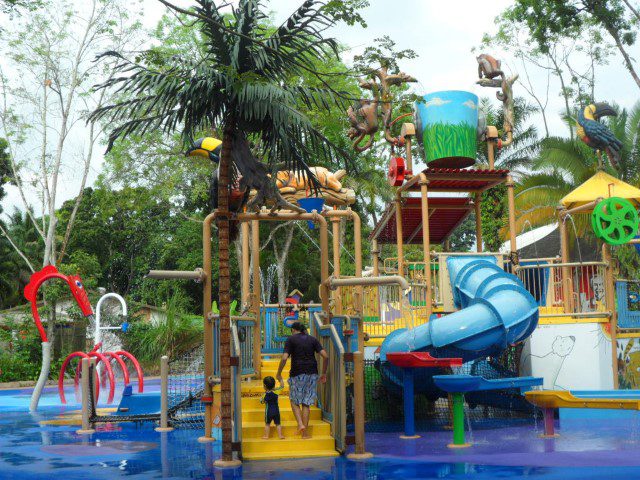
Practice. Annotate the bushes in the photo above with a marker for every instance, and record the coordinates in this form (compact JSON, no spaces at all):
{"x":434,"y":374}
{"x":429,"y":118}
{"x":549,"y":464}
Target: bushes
{"x":180,"y":333}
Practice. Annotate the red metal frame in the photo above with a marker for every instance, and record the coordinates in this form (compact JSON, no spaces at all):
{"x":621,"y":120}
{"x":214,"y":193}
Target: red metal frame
{"x":47,"y":273}
{"x":421,"y":360}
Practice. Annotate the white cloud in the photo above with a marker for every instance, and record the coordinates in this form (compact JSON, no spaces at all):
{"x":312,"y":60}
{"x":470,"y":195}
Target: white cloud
{"x":436,"y":102}
{"x":471,"y":104}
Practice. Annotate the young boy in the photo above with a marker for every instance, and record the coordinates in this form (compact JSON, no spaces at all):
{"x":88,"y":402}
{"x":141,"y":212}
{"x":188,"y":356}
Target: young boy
{"x":271,"y":408}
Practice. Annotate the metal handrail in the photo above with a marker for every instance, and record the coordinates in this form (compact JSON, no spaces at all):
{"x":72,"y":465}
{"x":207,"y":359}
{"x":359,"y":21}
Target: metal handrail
{"x":568,"y":264}
{"x":236,"y":394}
{"x":336,"y":411}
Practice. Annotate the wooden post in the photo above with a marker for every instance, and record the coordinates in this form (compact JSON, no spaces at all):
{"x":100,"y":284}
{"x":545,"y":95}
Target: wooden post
{"x":491,"y":153}
{"x":375,"y":252}
{"x":357,"y":234}
{"x":512,"y":216}
{"x":244,"y":232}
{"x":337,"y":293}
{"x":207,"y":396}
{"x":399,"y":238}
{"x":335,"y":225}
{"x":255,"y":296}
{"x":359,"y":406}
{"x":478,"y":211}
{"x":567,"y":282}
{"x":86,"y":392}
{"x":426,"y":245}
{"x":164,"y":395}
{"x":408,"y":153}
{"x":611,"y":299}
{"x":324,"y":267}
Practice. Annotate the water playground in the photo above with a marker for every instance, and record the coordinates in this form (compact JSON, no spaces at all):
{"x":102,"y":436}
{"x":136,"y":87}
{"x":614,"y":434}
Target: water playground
{"x":481,"y":364}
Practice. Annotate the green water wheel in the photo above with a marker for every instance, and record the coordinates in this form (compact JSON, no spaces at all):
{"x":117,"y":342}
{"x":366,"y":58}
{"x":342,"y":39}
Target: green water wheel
{"x":615,"y":220}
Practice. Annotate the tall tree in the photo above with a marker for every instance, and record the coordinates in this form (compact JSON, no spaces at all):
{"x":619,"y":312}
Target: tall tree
{"x":547,"y":19}
{"x":46,"y":92}
{"x":242,"y":88}
{"x":572,"y":57}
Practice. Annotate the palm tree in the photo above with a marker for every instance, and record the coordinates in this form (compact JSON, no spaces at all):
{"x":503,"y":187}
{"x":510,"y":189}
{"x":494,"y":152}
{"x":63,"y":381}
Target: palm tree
{"x":242,"y":88}
{"x":563,"y":164}
{"x":518,"y":155}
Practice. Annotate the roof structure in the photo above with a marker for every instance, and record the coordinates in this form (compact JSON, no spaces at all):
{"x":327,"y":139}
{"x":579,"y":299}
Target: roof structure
{"x":445,"y":214}
{"x":456,"y":180}
{"x":601,"y":185}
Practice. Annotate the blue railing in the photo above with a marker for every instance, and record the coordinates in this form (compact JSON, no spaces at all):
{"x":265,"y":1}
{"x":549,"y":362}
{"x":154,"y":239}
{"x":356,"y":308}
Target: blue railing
{"x":332,"y":394}
{"x":244,"y":328}
{"x":628,"y":300}
{"x":275,"y":333}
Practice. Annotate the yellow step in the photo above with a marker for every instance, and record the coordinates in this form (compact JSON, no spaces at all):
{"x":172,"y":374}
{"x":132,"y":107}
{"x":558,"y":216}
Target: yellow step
{"x":255,"y":389}
{"x":257,"y":415}
{"x":289,"y":454}
{"x":289,"y":429}
{"x":287,"y":446}
{"x":254,"y":402}
{"x":272,"y":373}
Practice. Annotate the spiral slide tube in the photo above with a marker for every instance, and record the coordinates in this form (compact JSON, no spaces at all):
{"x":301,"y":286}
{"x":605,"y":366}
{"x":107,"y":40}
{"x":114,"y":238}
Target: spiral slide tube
{"x":495,"y":311}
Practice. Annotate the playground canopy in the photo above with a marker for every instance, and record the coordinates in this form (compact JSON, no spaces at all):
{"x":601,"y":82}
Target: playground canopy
{"x":445,"y":212}
{"x":601,"y":185}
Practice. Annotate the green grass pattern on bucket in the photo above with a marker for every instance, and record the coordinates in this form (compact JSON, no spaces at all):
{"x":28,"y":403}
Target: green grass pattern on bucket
{"x":443,"y":140}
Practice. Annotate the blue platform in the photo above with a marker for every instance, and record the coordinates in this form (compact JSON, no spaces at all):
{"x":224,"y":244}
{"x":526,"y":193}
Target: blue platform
{"x":473,"y":383}
{"x":138,"y":404}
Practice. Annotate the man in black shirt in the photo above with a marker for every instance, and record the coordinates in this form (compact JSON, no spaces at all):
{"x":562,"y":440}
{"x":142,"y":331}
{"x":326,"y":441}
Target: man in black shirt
{"x":303,"y":376}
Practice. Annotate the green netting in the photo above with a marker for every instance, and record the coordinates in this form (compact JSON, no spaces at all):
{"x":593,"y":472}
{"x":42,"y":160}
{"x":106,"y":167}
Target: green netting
{"x":384,"y":408}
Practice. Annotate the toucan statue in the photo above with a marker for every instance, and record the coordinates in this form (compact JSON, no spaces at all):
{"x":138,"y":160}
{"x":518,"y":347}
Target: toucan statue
{"x":596,"y":134}
{"x":208,"y":147}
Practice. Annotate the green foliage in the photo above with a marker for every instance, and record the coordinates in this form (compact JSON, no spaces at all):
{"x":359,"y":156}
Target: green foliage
{"x":443,"y":140}
{"x":242,"y":84}
{"x":550,"y":19}
{"x":347,"y":11}
{"x":178,"y":334}
{"x":464,"y":236}
{"x":494,"y":217}
{"x":21,"y":353}
{"x":15,"y":6}
{"x":382,"y":53}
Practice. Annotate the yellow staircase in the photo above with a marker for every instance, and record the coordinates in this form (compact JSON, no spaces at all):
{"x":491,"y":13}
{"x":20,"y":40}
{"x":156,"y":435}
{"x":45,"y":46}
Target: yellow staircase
{"x":255,"y":448}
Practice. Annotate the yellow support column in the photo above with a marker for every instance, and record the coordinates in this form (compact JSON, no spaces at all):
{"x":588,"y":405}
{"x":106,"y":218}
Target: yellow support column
{"x":399,"y":237}
{"x":255,"y":294}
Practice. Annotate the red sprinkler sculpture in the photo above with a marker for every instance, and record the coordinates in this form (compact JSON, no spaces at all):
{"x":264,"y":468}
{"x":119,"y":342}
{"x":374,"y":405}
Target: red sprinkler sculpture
{"x":79,"y":293}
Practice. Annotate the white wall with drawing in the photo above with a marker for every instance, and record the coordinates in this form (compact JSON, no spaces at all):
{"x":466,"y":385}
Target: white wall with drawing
{"x":569,"y":357}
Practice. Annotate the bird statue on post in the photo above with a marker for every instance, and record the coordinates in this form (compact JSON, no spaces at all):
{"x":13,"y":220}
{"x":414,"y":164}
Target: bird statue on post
{"x":597,"y":135}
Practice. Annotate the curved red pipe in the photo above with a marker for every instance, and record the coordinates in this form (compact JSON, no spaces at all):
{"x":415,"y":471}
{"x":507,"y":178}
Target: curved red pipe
{"x":47,"y":273}
{"x":70,"y":357}
{"x":112,"y":379}
{"x":123,"y":366}
{"x":107,"y":363}
{"x":136,"y":365}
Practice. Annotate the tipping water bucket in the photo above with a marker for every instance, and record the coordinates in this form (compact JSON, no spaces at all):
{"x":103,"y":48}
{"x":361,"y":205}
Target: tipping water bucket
{"x":310,"y":204}
{"x":446,"y":124}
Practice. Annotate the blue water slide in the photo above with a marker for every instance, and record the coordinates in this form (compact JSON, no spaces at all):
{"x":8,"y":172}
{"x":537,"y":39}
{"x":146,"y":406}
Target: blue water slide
{"x":495,"y":312}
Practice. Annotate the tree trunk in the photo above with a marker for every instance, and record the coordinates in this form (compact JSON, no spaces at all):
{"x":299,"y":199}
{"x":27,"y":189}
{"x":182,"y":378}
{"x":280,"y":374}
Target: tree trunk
{"x":224,"y":292}
{"x":625,"y":55}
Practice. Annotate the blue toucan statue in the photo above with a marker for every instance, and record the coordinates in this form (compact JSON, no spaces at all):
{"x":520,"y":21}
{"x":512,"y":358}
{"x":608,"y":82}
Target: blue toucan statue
{"x":596,"y":134}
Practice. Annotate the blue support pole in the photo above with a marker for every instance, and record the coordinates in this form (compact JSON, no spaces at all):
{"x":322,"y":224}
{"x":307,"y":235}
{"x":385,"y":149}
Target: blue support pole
{"x":409,"y":407}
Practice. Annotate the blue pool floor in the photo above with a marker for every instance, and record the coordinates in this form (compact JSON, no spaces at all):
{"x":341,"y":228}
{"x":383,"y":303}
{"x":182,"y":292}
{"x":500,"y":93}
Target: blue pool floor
{"x":597,"y":449}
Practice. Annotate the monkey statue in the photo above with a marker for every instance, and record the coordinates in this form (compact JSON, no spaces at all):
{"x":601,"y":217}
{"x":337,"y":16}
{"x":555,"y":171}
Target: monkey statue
{"x":488,"y":67}
{"x":364,"y":121}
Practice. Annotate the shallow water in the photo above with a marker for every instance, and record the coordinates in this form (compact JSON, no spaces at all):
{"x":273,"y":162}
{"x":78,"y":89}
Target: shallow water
{"x":594,"y":449}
